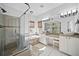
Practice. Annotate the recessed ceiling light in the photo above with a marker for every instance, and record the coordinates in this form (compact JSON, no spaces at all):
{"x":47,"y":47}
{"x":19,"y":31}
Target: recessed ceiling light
{"x":41,"y":6}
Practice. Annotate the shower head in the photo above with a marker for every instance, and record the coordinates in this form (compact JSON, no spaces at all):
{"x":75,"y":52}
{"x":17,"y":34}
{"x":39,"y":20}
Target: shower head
{"x":4,"y":11}
{"x":27,"y":9}
{"x":27,"y":4}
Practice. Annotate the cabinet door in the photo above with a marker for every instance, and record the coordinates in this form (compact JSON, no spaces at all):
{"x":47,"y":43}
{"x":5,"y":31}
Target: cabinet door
{"x":76,"y":46}
{"x":49,"y":40}
{"x":43,"y":39}
{"x":2,"y":34}
{"x":63,"y":44}
{"x":71,"y":46}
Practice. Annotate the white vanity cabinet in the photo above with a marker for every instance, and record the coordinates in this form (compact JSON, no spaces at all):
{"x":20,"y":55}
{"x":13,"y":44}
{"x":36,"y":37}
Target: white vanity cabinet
{"x":63,"y":44}
{"x":69,"y":45}
{"x":49,"y":40}
{"x":76,"y":46}
{"x":43,"y":39}
{"x":73,"y":47}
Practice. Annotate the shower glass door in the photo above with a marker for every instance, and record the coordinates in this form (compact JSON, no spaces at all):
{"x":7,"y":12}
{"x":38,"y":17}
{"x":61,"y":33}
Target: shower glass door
{"x":12,"y":35}
{"x":2,"y":35}
{"x":9,"y":35}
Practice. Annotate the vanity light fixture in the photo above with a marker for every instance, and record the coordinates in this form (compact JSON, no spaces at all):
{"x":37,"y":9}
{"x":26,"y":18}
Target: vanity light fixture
{"x":77,"y":22}
{"x":45,"y":19}
{"x":65,"y":14}
{"x":74,"y":11}
{"x":69,"y":13}
{"x":62,"y":15}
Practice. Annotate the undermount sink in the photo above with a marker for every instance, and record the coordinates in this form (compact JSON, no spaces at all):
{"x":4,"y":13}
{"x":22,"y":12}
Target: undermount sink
{"x":34,"y":36}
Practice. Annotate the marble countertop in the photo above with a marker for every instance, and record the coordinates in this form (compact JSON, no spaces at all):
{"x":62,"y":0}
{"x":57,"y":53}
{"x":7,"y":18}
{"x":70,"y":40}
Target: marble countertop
{"x":53,"y":35}
{"x":69,"y":35}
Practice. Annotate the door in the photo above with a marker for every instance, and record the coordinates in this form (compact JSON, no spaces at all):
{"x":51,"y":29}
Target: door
{"x":1,"y":41}
{"x":11,"y":34}
{"x":1,"y":36}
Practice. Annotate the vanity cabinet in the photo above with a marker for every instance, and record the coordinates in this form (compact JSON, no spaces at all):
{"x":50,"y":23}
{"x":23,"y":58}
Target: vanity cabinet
{"x":49,"y":40}
{"x":63,"y":44}
{"x":43,"y":39}
{"x":69,"y":45}
{"x":77,"y":46}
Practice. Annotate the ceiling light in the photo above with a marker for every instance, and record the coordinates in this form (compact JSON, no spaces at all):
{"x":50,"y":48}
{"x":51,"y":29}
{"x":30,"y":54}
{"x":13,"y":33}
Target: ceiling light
{"x":45,"y":19}
{"x":65,"y":13}
{"x":61,"y":15}
{"x":41,"y":6}
{"x":74,"y":10}
{"x":69,"y":12}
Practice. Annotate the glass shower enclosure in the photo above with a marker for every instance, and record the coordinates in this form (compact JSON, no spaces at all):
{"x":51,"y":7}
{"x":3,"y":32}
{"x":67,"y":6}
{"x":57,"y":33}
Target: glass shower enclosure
{"x":9,"y":35}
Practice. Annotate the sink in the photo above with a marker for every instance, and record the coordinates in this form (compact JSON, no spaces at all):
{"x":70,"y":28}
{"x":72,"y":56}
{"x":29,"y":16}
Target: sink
{"x":34,"y":36}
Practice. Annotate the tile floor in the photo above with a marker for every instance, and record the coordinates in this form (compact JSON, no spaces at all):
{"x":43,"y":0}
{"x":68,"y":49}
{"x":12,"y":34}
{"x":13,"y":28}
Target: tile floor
{"x":49,"y":51}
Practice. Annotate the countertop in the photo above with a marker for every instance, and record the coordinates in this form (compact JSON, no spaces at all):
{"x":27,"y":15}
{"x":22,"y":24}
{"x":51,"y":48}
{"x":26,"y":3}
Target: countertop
{"x":69,"y":35}
{"x":52,"y":35}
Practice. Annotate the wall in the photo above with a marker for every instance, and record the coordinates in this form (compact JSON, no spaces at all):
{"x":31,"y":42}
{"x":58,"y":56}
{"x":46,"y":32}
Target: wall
{"x":56,"y":12}
{"x":35,"y":29}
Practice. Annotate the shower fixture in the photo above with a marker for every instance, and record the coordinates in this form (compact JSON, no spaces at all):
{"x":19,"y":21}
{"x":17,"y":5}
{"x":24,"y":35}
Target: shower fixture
{"x":3,"y":10}
{"x":27,"y":9}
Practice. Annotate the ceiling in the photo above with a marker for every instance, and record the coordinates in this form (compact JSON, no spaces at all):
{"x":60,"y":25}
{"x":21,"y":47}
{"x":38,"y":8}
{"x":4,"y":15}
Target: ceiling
{"x":16,"y":9}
